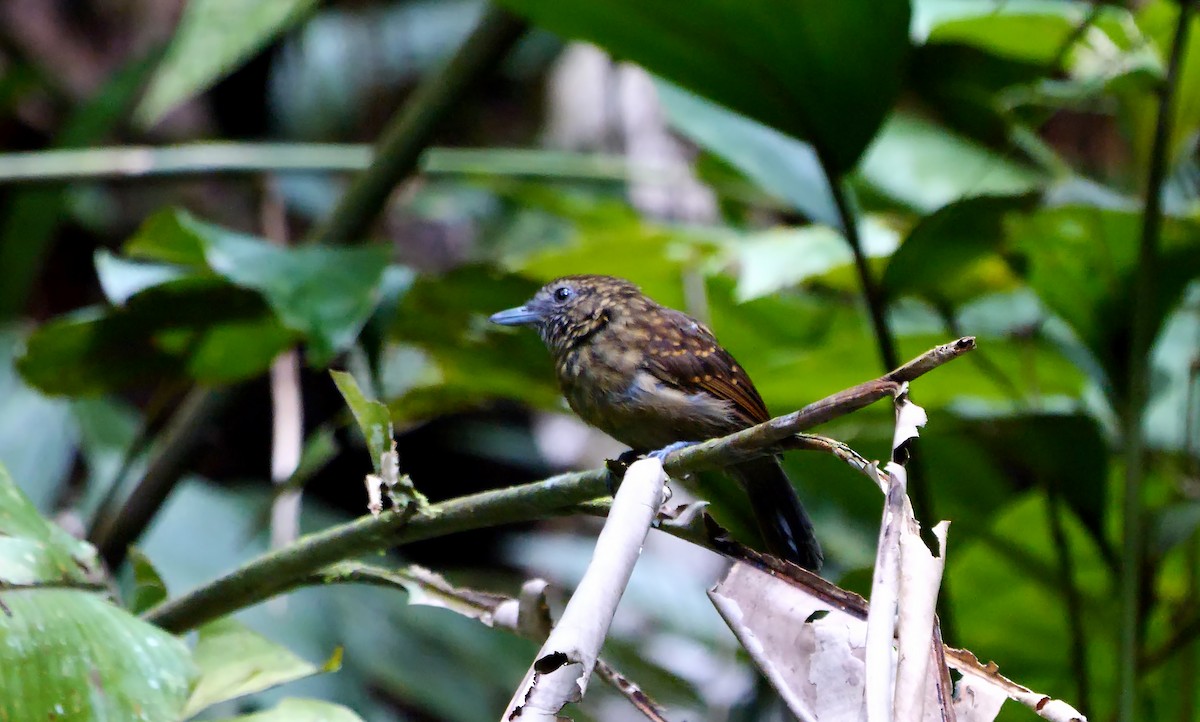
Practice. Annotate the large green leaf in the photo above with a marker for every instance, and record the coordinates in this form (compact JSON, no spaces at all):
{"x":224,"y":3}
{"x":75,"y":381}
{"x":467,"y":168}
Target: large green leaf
{"x":921,"y":165}
{"x":781,"y":165}
{"x":68,"y":653}
{"x":326,"y":294}
{"x":71,"y":655}
{"x":234,"y":661}
{"x":1082,"y":260}
{"x":34,"y":551}
{"x":1064,"y":454}
{"x":1028,"y":30}
{"x":953,"y":255}
{"x":1140,"y":102}
{"x":200,"y":328}
{"x":1013,"y":569}
{"x":785,"y":63}
{"x":213,"y":37}
{"x":781,"y":258}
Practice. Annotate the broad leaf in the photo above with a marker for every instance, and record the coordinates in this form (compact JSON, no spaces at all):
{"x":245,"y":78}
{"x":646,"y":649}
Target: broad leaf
{"x":1082,"y":261}
{"x":781,"y":62}
{"x":953,"y":255}
{"x":213,"y":37}
{"x":199,"y":328}
{"x":326,"y":294}
{"x":234,"y":661}
{"x":781,"y":165}
{"x":68,"y":653}
{"x":72,"y":655}
{"x":924,"y":167}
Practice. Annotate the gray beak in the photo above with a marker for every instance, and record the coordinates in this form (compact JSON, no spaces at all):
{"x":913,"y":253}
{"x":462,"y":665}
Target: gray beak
{"x":519,"y":316}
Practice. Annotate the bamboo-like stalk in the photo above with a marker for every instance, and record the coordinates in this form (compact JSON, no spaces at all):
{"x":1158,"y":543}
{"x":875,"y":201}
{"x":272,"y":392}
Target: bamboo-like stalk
{"x":1137,"y":393}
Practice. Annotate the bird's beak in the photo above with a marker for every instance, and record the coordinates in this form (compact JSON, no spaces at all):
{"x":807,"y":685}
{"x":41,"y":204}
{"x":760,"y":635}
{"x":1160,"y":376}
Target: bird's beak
{"x":519,"y":316}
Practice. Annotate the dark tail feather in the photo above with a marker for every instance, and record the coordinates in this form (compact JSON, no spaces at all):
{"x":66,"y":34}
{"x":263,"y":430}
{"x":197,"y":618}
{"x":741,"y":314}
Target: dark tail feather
{"x":784,"y":524}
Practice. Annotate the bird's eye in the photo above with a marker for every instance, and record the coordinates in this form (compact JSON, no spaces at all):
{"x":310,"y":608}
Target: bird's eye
{"x":562,"y":293}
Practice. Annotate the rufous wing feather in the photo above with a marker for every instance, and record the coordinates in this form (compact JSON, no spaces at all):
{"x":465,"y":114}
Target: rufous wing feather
{"x":686,"y":355}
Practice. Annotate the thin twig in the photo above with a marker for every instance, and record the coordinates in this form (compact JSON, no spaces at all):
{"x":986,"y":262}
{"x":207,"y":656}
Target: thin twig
{"x":1072,"y":599}
{"x":264,"y":576}
{"x":1144,"y":325}
{"x":113,"y":534}
{"x":287,"y":401}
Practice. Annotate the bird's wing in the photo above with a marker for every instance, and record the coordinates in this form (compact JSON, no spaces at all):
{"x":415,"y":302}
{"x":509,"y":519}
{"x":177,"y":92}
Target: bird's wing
{"x":686,"y":355}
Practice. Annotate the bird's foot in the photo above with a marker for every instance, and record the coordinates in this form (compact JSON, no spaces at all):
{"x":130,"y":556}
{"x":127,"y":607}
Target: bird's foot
{"x":665,"y":451}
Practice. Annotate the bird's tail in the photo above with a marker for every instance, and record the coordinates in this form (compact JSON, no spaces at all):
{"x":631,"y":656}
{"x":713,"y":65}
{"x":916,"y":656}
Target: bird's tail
{"x":782,"y":521}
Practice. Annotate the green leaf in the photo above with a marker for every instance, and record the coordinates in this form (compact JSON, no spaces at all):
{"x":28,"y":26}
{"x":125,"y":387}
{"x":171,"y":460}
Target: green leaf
{"x":234,"y":661}
{"x":1140,"y":102}
{"x":292,"y":709}
{"x":1066,"y":454}
{"x":326,"y":294}
{"x":924,"y":167}
{"x":203,"y":329}
{"x":953,"y":255}
{"x":1029,"y":30}
{"x":214,"y":36}
{"x":787,"y":168}
{"x":37,"y":434}
{"x":1081,"y":261}
{"x":34,"y":551}
{"x":70,"y":655}
{"x":781,"y":258}
{"x":1017,"y":564}
{"x":372,"y":417}
{"x":120,"y":278}
{"x":149,"y":588}
{"x":781,"y":62}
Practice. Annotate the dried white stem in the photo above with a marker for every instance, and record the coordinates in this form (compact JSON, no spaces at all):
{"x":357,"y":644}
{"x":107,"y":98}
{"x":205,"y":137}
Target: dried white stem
{"x":564,"y":665}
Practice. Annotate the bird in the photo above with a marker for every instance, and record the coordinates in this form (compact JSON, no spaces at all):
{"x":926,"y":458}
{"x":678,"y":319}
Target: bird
{"x":653,"y":377}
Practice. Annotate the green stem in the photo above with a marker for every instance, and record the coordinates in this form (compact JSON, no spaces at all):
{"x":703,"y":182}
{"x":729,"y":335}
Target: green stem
{"x":876,"y":303}
{"x":1072,"y":598}
{"x":1144,"y":324}
{"x":134,"y":161}
{"x":411,"y":131}
{"x":277,"y":571}
{"x":113,"y":533}
{"x":273,"y":572}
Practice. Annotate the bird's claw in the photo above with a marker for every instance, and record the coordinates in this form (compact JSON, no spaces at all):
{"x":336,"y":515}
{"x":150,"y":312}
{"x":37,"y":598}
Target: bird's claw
{"x":661,"y":454}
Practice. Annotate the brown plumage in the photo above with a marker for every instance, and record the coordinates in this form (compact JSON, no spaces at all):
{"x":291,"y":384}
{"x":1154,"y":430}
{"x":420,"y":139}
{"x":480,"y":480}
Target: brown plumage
{"x":651,"y":376}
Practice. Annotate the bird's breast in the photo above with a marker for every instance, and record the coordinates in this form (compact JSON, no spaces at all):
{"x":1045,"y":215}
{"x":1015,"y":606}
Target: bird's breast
{"x":610,"y":389}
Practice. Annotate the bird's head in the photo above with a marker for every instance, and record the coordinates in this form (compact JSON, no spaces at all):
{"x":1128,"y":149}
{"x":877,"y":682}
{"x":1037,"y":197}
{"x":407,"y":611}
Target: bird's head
{"x":569,"y":310}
